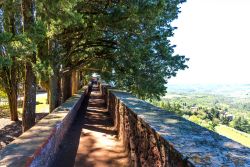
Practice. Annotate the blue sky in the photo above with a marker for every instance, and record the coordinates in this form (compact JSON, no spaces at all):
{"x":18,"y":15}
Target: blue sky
{"x":215,"y":35}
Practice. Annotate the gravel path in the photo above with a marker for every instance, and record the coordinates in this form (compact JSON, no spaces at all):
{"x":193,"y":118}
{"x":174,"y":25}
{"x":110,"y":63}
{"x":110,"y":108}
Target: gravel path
{"x":92,"y":139}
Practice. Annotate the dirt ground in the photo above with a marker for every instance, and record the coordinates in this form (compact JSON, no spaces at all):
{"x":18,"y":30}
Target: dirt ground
{"x":10,"y":130}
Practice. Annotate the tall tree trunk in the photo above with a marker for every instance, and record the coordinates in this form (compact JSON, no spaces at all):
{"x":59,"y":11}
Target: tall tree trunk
{"x":55,"y":79}
{"x":12,"y":98}
{"x":29,"y":104}
{"x":67,"y":76}
{"x":66,"y":86}
{"x":10,"y":73}
{"x":75,"y":81}
{"x":48,"y":96}
{"x":44,"y":74}
{"x":13,"y":78}
{"x":81,"y":79}
{"x":11,"y":89}
{"x":54,"y":90}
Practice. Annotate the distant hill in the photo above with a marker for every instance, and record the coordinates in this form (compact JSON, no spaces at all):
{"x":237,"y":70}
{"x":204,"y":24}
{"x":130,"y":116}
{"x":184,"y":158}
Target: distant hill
{"x":231,"y":90}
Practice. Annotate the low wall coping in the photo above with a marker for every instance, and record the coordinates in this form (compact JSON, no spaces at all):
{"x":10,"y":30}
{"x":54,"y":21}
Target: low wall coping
{"x":23,"y":150}
{"x":196,"y":144}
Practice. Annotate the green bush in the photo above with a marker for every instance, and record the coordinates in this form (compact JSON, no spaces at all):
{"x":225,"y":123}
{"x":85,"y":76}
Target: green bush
{"x":242,"y":124}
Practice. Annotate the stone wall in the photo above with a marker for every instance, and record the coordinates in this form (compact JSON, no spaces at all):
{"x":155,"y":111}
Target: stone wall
{"x":37,"y":146}
{"x":154,"y":137}
{"x":104,"y":91}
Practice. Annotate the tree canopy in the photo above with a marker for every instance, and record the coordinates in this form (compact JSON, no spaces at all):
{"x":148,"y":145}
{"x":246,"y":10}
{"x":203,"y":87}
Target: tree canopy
{"x":127,"y":42}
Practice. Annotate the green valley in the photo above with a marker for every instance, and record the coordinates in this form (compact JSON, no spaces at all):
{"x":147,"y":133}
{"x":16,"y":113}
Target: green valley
{"x":222,"y":108}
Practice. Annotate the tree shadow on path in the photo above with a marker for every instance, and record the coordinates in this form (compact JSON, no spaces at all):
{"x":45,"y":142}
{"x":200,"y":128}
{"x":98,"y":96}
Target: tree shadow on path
{"x":92,"y":140}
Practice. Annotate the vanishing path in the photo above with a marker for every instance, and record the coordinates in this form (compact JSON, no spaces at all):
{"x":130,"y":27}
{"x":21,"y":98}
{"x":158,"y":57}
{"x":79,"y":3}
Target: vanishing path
{"x":92,"y":140}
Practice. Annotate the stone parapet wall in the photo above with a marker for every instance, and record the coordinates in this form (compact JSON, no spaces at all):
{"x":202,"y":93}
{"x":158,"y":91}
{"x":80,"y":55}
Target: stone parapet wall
{"x":155,"y":137}
{"x":104,"y":87}
{"x":37,"y":146}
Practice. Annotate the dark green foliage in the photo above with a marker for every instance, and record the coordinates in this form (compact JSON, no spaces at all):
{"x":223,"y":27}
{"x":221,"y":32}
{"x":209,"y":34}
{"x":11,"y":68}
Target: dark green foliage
{"x":143,"y":59}
{"x":225,"y":120}
{"x":212,"y":114}
{"x":241,"y":124}
{"x":126,"y":42}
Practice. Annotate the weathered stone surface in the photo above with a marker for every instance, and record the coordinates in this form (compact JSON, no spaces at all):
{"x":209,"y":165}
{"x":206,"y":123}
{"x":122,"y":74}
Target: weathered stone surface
{"x":155,"y":137}
{"x":37,"y":146}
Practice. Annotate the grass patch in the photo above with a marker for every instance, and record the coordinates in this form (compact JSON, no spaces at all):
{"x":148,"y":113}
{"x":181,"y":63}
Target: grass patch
{"x":41,"y":106}
{"x":234,"y":134}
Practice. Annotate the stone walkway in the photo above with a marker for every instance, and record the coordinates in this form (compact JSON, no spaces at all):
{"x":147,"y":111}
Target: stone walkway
{"x":92,"y":140}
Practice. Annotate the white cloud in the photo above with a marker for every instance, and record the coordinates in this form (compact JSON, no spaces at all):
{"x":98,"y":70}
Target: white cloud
{"x":215,"y":35}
